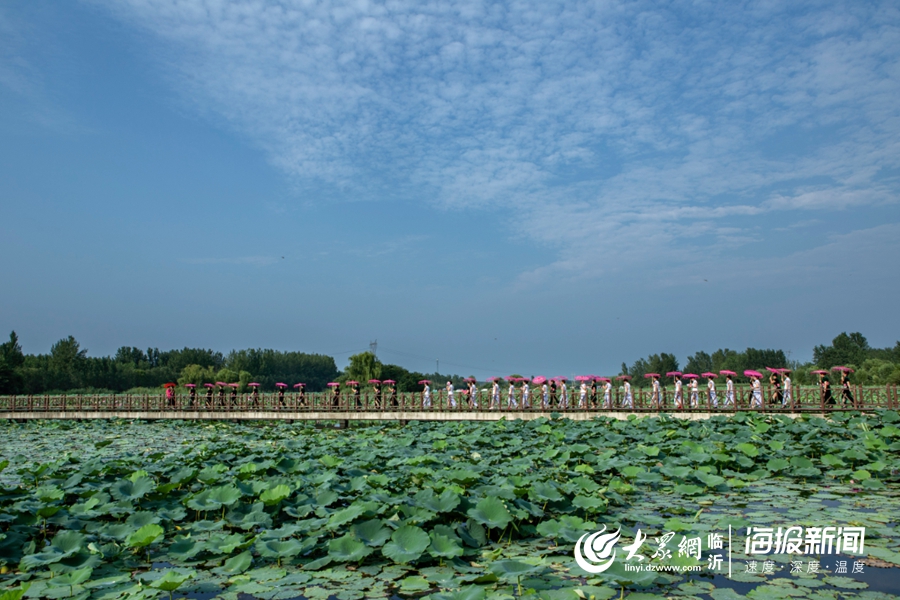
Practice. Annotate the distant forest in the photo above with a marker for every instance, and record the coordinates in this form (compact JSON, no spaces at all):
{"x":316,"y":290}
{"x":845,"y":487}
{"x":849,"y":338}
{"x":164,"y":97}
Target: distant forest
{"x":68,"y":368}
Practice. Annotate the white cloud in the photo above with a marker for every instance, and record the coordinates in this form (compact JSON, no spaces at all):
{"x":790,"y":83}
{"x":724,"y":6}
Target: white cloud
{"x":620,"y":130}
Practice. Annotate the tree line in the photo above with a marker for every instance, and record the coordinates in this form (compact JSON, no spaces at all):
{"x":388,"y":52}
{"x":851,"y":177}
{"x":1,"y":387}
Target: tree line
{"x":68,"y":368}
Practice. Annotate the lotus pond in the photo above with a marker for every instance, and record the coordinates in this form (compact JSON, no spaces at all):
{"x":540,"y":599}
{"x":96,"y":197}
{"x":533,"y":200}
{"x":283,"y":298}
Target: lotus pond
{"x":464,"y":510}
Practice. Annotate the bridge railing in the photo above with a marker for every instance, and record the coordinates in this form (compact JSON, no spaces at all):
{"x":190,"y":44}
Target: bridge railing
{"x":801,"y":399}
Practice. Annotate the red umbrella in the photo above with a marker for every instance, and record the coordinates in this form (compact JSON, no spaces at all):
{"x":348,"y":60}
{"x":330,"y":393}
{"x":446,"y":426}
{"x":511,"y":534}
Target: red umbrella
{"x":649,"y":375}
{"x":168,"y":385}
{"x":209,"y":385}
{"x":673,"y":374}
{"x":374,"y":381}
{"x":539,"y":380}
{"x":727,"y":372}
{"x":190,"y":385}
{"x":689,"y":376}
{"x":623,"y":377}
{"x":752,"y":373}
{"x":842,"y":369}
{"x":425,"y":382}
{"x":388,"y":381}
{"x":299,"y":385}
{"x":253,"y":384}
{"x":708,"y":375}
{"x":279,"y":384}
{"x":333,"y":384}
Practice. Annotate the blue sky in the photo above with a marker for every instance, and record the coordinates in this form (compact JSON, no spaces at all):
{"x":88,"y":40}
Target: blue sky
{"x":538,"y":187}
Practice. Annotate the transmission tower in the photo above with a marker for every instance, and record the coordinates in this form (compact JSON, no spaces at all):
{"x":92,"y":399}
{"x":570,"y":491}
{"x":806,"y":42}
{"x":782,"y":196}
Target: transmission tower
{"x":373,"y":348}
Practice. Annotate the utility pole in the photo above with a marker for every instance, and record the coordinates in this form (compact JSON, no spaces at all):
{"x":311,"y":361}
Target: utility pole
{"x":373,"y":348}
{"x":437,"y":366}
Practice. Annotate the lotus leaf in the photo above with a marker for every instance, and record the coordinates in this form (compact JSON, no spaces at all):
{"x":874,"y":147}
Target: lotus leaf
{"x":407,"y":544}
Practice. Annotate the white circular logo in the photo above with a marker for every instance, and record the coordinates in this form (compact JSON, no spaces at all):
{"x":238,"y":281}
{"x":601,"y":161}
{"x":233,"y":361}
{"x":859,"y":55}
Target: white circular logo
{"x":595,"y":549}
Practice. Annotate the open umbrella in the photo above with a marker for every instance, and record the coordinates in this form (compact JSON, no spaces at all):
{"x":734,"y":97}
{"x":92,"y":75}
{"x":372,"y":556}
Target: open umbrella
{"x":539,"y":380}
{"x":425,"y":382}
{"x":209,"y":385}
{"x":582,"y":378}
{"x":604,"y":379}
{"x":234,"y":385}
{"x":649,"y":375}
{"x":561,"y":378}
{"x":784,"y":371}
{"x":819,"y":372}
{"x":388,"y":381}
{"x":713,"y":375}
{"x":351,"y":382}
{"x":168,"y":385}
{"x":511,"y":378}
{"x":771,"y":370}
{"x":333,"y":384}
{"x":752,"y":373}
{"x":690,"y":376}
{"x":842,"y":369}
{"x":492,"y":378}
{"x":221,"y":383}
{"x":673,"y":374}
{"x":623,"y":377}
{"x":374,"y":381}
{"x":299,"y":385}
{"x":469,"y":380}
{"x":727,"y":372}
{"x":521,"y":379}
{"x":280,"y":384}
{"x":253,"y":384}
{"x":190,"y":385}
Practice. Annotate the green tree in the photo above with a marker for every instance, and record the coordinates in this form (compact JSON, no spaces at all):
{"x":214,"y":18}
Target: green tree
{"x":852,"y":349}
{"x":197,"y":375}
{"x":11,"y":359}
{"x":700,"y":362}
{"x":363,"y":367}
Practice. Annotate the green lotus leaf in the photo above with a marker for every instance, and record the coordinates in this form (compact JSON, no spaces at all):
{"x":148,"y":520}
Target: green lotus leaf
{"x":777,"y":464}
{"x":801,"y":462}
{"x":49,"y":493}
{"x":17,"y":593}
{"x":184,"y":548}
{"x":542,"y":491}
{"x":446,"y":502}
{"x":345,"y":515}
{"x":280,"y":549}
{"x":372,"y":533}
{"x":141,"y":518}
{"x":407,"y":544}
{"x":237,"y":563}
{"x":348,"y":549}
{"x":589,"y":503}
{"x":443,"y":546}
{"x":748,"y":449}
{"x":513,"y":569}
{"x":463,"y":476}
{"x":687,"y":489}
{"x":275,"y":495}
{"x":172,"y":579}
{"x":414,"y":584}
{"x":128,"y":490}
{"x":490,"y":512}
{"x":144,"y":536}
{"x":472,"y":592}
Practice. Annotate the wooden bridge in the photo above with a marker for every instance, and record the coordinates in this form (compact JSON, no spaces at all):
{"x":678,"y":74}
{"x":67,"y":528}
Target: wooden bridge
{"x":414,"y":406}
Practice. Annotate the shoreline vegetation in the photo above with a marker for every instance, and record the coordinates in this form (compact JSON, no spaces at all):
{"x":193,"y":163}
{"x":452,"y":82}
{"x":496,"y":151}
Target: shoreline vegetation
{"x":67,"y":368}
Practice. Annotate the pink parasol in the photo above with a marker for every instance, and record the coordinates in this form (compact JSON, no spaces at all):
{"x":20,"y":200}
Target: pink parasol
{"x":511,"y":378}
{"x":190,"y":385}
{"x":374,"y":381}
{"x":523,"y":379}
{"x":649,"y":375}
{"x":784,"y":371}
{"x":425,"y":382}
{"x":388,"y":381}
{"x":752,"y":373}
{"x":820,"y":372}
{"x":604,"y":379}
{"x":209,"y":385}
{"x":299,"y":385}
{"x":673,"y":374}
{"x":470,"y":379}
{"x":492,"y":379}
{"x":351,"y":382}
{"x":253,"y":384}
{"x":623,"y":377}
{"x":561,"y":378}
{"x":727,"y":372}
{"x":713,"y":375}
{"x":539,"y":380}
{"x":234,"y":385}
{"x":771,"y":370}
{"x":690,"y":376}
{"x":842,"y":369}
{"x":582,"y":378}
{"x":333,"y":384}
{"x":221,"y":383}
{"x":280,"y":384}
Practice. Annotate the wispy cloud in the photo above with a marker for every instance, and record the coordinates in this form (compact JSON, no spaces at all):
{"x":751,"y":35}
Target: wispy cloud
{"x":617,"y":131}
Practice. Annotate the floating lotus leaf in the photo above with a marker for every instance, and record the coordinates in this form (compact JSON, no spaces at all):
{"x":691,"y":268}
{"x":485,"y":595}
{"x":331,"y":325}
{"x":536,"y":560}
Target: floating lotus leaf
{"x":130,"y":491}
{"x":144,"y":536}
{"x":348,"y":549}
{"x":275,"y":495}
{"x":172,"y":579}
{"x":443,"y":546}
{"x":490,"y":512}
{"x":372,"y":533}
{"x":407,"y":544}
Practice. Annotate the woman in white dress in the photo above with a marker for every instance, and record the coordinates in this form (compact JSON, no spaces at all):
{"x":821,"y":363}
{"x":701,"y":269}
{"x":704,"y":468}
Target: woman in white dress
{"x":655,"y":396}
{"x":786,"y":386}
{"x":526,"y":392}
{"x":695,"y":393}
{"x":628,"y":400}
{"x":607,"y":394}
{"x":473,"y":394}
{"x":450,"y":399}
{"x":729,"y":391}
{"x":545,"y":394}
{"x":426,"y":396}
{"x":511,"y":395}
{"x":495,"y":395}
{"x":582,"y":394}
{"x":679,"y":393}
{"x":757,"y":392}
{"x":711,"y":390}
{"x":563,"y":394}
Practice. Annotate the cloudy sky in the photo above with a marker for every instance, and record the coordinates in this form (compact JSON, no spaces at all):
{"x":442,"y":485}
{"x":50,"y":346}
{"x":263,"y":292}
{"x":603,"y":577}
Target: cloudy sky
{"x":523,"y":186}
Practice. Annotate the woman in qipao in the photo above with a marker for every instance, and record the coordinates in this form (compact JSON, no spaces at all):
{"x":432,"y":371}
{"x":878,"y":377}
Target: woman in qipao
{"x":582,"y":394}
{"x":679,"y":394}
{"x":655,"y":396}
{"x":473,"y":394}
{"x":711,"y":390}
{"x":526,"y":392}
{"x":729,"y":391}
{"x":695,"y":393}
{"x":563,"y":394}
{"x":450,"y":399}
{"x":756,"y":394}
{"x":786,"y":386}
{"x":426,"y":395}
{"x":495,"y":394}
{"x":627,"y":401}
{"x":511,"y":395}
